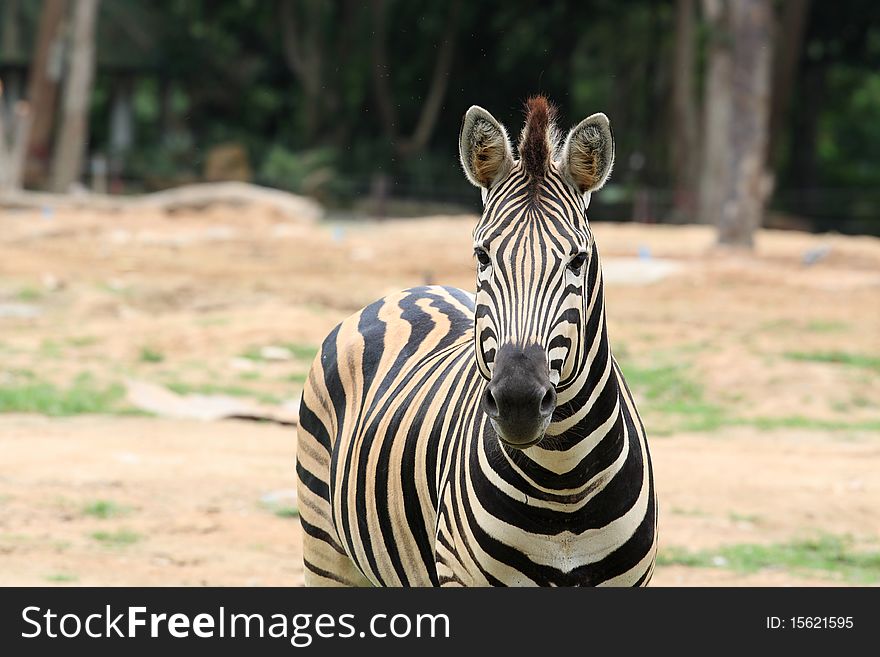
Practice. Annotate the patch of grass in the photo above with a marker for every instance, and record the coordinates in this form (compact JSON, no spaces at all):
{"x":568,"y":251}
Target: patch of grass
{"x":669,"y":391}
{"x":862,"y":402}
{"x":214,"y":389}
{"x":692,"y":513}
{"x":671,"y":400}
{"x":826,"y":555}
{"x":120,"y":538}
{"x":29,"y":294}
{"x":61,"y":577}
{"x":302,"y":351}
{"x":819,"y":326}
{"x":751,"y":518}
{"x":83,"y":395}
{"x":839,"y":357}
{"x":82,"y":341}
{"x":298,"y":351}
{"x":777,"y":325}
{"x":249,"y":376}
{"x":297,"y":377}
{"x":800,"y":422}
{"x":150,"y":355}
{"x":50,"y":349}
{"x":286,"y":512}
{"x":253,"y":353}
{"x":105,"y":509}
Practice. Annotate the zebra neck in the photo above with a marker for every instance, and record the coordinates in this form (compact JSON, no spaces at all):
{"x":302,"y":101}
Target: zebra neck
{"x":588,"y":416}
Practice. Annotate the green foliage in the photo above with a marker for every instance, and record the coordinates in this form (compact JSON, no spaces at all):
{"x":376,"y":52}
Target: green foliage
{"x":83,"y":395}
{"x":826,"y":555}
{"x":62,"y":578}
{"x":312,"y":172}
{"x":303,"y":97}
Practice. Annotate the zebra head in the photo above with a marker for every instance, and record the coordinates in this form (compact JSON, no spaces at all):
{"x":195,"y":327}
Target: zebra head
{"x":536,"y":260}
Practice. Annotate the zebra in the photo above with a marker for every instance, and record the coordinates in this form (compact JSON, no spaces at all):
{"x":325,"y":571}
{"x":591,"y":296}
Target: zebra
{"x":453,"y":439}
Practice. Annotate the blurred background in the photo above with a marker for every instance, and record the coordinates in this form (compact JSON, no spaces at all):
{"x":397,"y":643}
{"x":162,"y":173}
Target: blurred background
{"x":345,"y":99}
{"x":193,"y":193}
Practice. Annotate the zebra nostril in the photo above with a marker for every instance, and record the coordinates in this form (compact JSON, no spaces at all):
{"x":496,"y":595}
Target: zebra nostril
{"x":548,"y":402}
{"x":490,"y":406}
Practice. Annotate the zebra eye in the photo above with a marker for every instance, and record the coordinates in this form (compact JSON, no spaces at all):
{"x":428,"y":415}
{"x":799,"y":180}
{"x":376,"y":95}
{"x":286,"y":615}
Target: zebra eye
{"x":483,"y":257}
{"x":577,"y":262}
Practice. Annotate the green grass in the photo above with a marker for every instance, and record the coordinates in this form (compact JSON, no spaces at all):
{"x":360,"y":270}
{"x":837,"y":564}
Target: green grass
{"x":150,"y":355}
{"x":50,"y":349}
{"x":61,"y":577}
{"x":800,"y":422}
{"x":82,"y":341}
{"x":286,"y":512}
{"x":120,"y":538}
{"x":672,"y":401}
{"x":83,"y":395}
{"x":826,"y":555}
{"x":750,"y":518}
{"x":819,"y":326}
{"x":249,"y":376}
{"x":28,"y":294}
{"x":691,"y":513}
{"x":215,"y":389}
{"x":298,"y":351}
{"x":674,"y":398}
{"x":838,"y":357}
{"x":297,"y":377}
{"x":105,"y":509}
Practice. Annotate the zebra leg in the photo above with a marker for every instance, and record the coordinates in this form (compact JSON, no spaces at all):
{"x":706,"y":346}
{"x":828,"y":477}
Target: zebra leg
{"x":325,"y":561}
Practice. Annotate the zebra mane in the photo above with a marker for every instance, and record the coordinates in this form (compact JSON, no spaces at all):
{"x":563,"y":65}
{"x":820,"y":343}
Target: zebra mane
{"x":539,"y":140}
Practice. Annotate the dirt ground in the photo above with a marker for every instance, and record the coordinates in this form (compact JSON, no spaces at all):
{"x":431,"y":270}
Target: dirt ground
{"x":757,"y":377}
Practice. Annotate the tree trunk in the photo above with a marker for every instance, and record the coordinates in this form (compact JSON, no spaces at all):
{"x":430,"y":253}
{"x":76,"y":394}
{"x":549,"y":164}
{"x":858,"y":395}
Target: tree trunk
{"x":684,"y":151}
{"x":45,"y":74}
{"x":716,"y":111}
{"x":439,"y":81}
{"x":303,"y":47}
{"x":736,"y":182}
{"x":72,"y":140}
{"x":382,"y":73}
{"x":787,"y":47}
{"x":430,"y":109}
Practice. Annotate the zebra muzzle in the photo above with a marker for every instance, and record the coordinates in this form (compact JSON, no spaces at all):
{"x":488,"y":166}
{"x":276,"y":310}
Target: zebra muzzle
{"x":520,"y":398}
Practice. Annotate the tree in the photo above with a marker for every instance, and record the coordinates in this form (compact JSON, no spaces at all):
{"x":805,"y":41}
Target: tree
{"x":433,"y":99}
{"x":787,"y":47}
{"x":735,"y":182}
{"x":45,"y":74}
{"x":73,"y":136}
{"x":684,"y":145}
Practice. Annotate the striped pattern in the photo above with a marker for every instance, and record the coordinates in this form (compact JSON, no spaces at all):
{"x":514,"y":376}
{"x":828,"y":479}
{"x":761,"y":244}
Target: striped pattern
{"x":402,"y":480}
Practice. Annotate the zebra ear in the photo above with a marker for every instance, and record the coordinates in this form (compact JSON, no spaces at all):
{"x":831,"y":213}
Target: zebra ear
{"x":588,"y":153}
{"x":484,"y":148}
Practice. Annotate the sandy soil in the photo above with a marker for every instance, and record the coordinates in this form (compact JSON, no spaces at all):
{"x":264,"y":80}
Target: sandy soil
{"x":84,"y":293}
